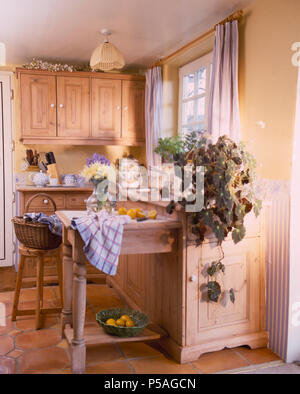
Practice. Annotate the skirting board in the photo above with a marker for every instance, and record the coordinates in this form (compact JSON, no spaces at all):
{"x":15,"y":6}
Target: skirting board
{"x":185,"y":354}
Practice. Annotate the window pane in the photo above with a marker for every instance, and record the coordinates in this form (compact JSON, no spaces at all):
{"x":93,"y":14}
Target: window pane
{"x":188,"y":85}
{"x":201,"y":80}
{"x":188,"y":112}
{"x":196,"y":127}
{"x":200,"y":109}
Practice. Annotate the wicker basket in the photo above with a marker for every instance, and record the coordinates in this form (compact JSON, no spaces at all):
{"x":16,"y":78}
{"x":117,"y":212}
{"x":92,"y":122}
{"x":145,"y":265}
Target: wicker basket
{"x":141,"y":320}
{"x":36,"y":235}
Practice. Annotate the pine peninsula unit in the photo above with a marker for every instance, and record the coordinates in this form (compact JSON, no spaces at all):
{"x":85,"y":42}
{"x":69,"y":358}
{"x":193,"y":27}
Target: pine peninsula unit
{"x":171,"y":287}
{"x":163,"y":273}
{"x":81,"y":108}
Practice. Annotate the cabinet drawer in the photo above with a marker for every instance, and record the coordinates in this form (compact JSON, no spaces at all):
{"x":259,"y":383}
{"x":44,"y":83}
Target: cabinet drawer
{"x":77,"y":200}
{"x":43,"y":204}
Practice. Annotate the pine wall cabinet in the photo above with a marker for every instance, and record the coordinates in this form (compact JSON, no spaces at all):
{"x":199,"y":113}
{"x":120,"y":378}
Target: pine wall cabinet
{"x":81,"y":108}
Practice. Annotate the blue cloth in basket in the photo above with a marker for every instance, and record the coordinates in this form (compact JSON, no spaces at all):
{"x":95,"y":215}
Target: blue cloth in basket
{"x":54,"y":224}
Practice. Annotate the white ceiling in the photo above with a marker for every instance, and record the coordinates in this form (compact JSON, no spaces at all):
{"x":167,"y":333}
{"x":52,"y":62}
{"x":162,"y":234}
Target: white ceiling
{"x":143,"y":30}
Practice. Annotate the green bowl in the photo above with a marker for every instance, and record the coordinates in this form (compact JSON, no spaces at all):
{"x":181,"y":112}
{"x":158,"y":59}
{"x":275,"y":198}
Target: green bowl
{"x":141,"y":320}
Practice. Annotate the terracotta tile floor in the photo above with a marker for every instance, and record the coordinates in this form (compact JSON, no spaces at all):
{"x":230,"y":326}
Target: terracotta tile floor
{"x":25,"y":350}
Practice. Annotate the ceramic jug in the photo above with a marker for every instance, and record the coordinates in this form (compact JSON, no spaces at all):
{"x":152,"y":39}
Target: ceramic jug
{"x":40,"y":179}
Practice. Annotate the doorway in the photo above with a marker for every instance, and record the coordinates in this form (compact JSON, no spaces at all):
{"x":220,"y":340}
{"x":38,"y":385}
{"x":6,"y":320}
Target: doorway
{"x":6,"y":171}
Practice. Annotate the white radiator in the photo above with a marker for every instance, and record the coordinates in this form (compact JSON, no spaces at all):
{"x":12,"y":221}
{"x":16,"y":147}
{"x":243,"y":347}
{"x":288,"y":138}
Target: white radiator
{"x":277,"y":286}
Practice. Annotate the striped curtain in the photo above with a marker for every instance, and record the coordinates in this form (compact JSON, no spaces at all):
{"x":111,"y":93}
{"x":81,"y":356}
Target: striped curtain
{"x":153,"y":114}
{"x":223,"y":108}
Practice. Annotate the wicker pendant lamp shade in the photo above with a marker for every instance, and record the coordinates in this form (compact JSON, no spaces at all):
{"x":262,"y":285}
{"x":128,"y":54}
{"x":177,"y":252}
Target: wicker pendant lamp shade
{"x":106,"y":56}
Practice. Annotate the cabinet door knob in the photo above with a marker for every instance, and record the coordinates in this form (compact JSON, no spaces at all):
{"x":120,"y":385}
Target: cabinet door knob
{"x":125,"y":108}
{"x":193,"y":278}
{"x":118,"y":107}
{"x":52,"y":105}
{"x":61,"y":105}
{"x":46,"y":201}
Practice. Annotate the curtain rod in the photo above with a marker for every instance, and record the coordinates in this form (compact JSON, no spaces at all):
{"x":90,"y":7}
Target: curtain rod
{"x":235,"y":16}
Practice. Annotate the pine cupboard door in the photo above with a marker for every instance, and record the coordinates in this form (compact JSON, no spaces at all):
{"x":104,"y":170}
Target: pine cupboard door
{"x":38,"y":105}
{"x":133,"y":110}
{"x":73,"y":106}
{"x":106,"y":108}
{"x":244,"y":269}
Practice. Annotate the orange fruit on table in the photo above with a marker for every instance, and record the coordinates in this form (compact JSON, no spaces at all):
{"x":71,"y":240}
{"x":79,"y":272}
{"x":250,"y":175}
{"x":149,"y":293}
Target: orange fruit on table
{"x":125,"y":317}
{"x":152,"y":214}
{"x":140,"y":215}
{"x":131,"y":213}
{"x":111,"y":322}
{"x":129,"y":323}
{"x":121,"y":322}
{"x":122,"y":211}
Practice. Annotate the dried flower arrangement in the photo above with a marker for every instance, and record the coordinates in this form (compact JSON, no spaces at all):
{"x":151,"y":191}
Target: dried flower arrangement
{"x":38,"y":64}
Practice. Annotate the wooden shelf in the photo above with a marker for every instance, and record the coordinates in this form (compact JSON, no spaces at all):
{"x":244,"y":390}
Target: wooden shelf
{"x":95,"y":335}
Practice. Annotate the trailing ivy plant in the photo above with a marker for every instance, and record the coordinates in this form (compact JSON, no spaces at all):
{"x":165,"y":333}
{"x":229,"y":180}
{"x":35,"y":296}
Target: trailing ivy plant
{"x":228,"y":193}
{"x":214,"y":289}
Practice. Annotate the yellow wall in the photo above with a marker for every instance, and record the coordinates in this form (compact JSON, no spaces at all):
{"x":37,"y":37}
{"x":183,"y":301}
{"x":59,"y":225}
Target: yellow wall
{"x":267,"y":83}
{"x":70,"y":159}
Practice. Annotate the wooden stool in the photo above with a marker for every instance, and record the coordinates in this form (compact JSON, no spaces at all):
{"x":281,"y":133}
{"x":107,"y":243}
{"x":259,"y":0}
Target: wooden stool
{"x":39,"y":255}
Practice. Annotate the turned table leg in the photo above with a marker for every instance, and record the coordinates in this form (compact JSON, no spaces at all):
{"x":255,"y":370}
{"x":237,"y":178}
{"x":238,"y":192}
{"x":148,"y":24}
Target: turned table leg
{"x":66,"y":316}
{"x":79,"y":302}
{"x":79,"y":305}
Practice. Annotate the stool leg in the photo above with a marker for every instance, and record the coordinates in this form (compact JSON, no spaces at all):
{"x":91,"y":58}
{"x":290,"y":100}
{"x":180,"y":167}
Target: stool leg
{"x":39,"y":290}
{"x":18,"y":288}
{"x":60,"y":276}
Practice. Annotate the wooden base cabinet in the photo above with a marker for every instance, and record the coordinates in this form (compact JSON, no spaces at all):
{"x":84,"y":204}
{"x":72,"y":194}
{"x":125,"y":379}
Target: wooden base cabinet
{"x":171,"y":289}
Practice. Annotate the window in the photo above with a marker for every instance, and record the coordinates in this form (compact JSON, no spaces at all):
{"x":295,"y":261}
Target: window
{"x":194,"y":81}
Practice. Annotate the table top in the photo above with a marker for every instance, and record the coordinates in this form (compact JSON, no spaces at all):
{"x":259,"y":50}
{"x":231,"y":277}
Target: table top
{"x":158,"y":223}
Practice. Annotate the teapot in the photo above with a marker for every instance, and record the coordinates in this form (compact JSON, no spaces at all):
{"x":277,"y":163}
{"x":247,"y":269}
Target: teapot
{"x":40,"y":179}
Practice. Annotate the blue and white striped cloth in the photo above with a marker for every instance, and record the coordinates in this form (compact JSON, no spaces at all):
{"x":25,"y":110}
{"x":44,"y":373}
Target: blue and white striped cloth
{"x":102,"y":234}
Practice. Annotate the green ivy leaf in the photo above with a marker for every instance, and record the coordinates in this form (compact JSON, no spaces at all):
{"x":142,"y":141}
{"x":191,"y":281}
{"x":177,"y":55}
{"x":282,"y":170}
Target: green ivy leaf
{"x":214,"y":291}
{"x":239,"y":211}
{"x":238,"y":234}
{"x":212,"y":269}
{"x":207,"y":217}
{"x":232,"y":295}
{"x":218,"y":230}
{"x":228,"y":216}
{"x":215,"y":267}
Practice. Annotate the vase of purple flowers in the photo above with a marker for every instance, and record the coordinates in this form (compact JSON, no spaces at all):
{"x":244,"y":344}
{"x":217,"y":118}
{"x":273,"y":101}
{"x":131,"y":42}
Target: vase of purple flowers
{"x":99,"y":172}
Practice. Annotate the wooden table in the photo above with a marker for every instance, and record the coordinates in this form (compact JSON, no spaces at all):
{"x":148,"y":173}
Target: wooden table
{"x":148,"y":237}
